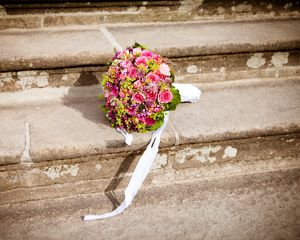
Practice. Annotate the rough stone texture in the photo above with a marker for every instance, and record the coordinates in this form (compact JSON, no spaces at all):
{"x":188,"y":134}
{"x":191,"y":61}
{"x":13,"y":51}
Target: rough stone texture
{"x":201,"y":69}
{"x":21,"y":80}
{"x":69,"y":48}
{"x":85,"y":13}
{"x":11,"y":147}
{"x":65,"y":123}
{"x":253,"y":206}
{"x":228,"y":67}
{"x":111,"y":172}
{"x":51,"y":49}
{"x":7,"y":22}
{"x":261,"y":107}
{"x":192,"y":39}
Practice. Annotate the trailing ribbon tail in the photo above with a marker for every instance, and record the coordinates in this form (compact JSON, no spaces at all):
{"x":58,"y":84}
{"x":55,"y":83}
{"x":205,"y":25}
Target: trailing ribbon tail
{"x":189,"y":93}
{"x":140,"y":173}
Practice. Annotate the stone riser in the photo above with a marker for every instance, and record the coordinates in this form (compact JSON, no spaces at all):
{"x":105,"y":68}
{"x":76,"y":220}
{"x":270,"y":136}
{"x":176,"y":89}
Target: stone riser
{"x":202,"y":69}
{"x":54,"y":15}
{"x":102,"y":173}
{"x":255,"y":205}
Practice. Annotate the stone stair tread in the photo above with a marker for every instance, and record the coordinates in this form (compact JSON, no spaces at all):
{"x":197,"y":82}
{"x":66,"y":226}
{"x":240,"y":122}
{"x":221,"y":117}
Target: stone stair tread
{"x":57,"y":48}
{"x":67,"y":122}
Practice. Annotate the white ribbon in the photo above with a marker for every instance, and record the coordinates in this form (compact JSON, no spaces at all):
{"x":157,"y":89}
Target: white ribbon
{"x":188,"y":93}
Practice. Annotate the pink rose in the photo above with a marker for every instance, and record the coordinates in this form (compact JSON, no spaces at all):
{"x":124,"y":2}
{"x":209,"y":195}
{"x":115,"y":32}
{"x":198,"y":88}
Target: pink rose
{"x":138,"y":97}
{"x":141,"y":60}
{"x":157,"y":58}
{"x":153,"y":77}
{"x":146,"y":53}
{"x":165,"y":96}
{"x":132,"y":72}
{"x":164,"y":69}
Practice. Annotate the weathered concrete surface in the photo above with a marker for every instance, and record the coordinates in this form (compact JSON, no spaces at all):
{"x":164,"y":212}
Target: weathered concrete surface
{"x":111,"y":172}
{"x":50,"y":49}
{"x":46,"y":49}
{"x":93,"y":13}
{"x":273,"y":108}
{"x":250,"y":207}
{"x":201,"y":69}
{"x":192,"y":39}
{"x":65,"y":123}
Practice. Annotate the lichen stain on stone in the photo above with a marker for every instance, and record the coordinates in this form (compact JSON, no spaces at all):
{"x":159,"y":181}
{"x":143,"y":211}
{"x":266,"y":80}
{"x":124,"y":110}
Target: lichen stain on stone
{"x":5,"y":78}
{"x":98,"y":167}
{"x":192,"y":69}
{"x":256,"y":61}
{"x":207,"y":154}
{"x":58,"y":171}
{"x":161,"y":160}
{"x":230,"y":152}
{"x":242,"y":8}
{"x":280,"y":58}
{"x":27,"y":79}
{"x":203,"y":155}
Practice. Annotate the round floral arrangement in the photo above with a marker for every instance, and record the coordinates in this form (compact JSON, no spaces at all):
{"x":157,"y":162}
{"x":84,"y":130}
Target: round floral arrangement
{"x":138,"y":89}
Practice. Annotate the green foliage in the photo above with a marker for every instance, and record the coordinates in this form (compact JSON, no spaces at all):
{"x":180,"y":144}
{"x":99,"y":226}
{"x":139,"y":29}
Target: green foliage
{"x":105,"y":79}
{"x":156,"y":125}
{"x":172,"y":76}
{"x":137,"y":45}
{"x":103,"y":108}
{"x":175,"y":101}
{"x":101,"y":96}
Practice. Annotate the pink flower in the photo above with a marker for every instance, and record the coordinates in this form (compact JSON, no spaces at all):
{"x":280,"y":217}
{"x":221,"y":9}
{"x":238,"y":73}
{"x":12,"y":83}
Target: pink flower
{"x":141,"y":60}
{"x":165,"y":96}
{"x":132,"y":111}
{"x":153,"y":77}
{"x":137,"y":84}
{"x":164,"y":69}
{"x":151,"y":95}
{"x":138,"y":97}
{"x":148,"y":121}
{"x":132,"y":72}
{"x":146,"y":53}
{"x":136,"y":51}
{"x":122,"y":94}
{"x":114,"y":91}
{"x":157,"y":58}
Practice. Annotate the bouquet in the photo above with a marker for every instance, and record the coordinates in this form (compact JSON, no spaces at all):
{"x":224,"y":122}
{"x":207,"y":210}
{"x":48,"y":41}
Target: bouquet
{"x":138,"y":90}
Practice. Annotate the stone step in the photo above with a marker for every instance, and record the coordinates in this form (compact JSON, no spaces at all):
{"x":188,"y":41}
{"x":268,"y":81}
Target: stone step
{"x":59,"y":136}
{"x":34,"y":14}
{"x":60,"y":160}
{"x":261,"y":205}
{"x":44,"y":58}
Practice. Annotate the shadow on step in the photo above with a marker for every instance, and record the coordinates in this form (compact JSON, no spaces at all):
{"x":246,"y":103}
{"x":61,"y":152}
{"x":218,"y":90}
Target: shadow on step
{"x":118,"y":177}
{"x":85,"y":100}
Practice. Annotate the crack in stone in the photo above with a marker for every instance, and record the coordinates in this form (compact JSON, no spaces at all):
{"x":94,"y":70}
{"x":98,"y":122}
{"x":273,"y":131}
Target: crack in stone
{"x":26,"y":153}
{"x":110,"y":37}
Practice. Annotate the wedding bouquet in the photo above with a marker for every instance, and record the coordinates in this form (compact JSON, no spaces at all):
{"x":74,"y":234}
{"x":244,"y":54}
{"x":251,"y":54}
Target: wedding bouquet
{"x":139,"y":93}
{"x":138,"y":90}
